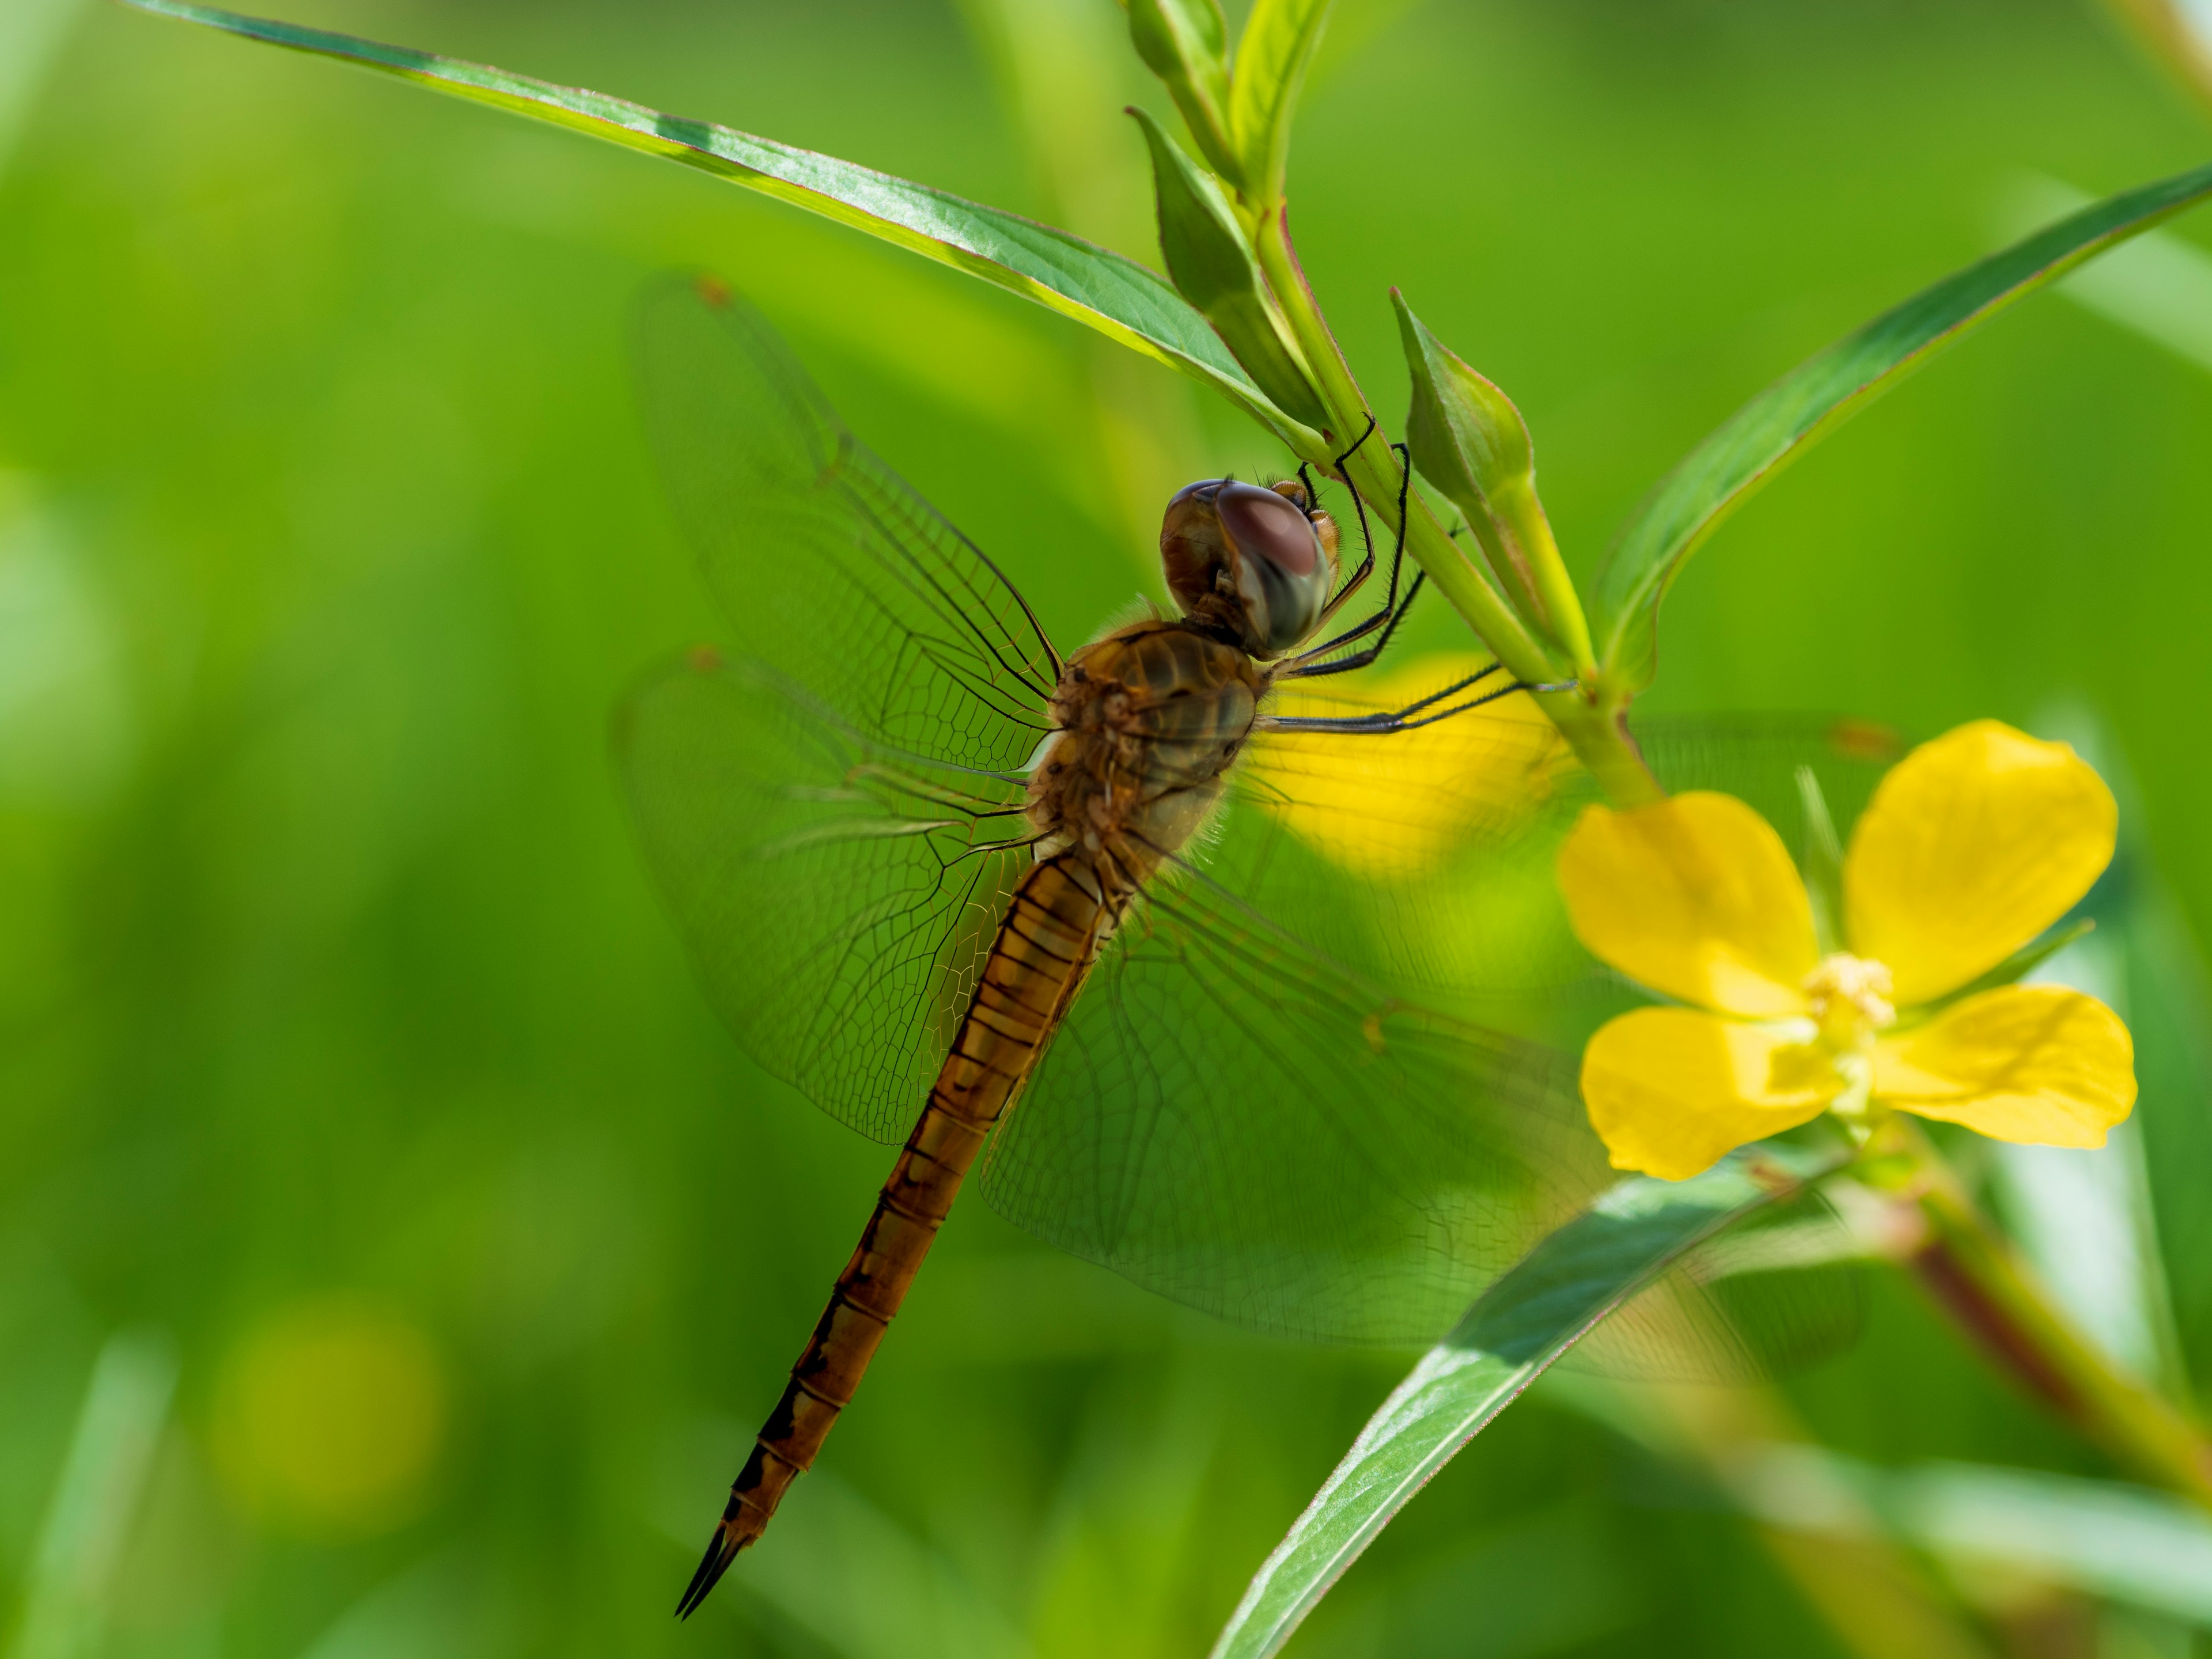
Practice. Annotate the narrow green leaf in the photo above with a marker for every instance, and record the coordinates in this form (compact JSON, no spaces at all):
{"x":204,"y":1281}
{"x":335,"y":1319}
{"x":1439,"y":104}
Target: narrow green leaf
{"x":1569,"y":1282}
{"x":1469,"y":439}
{"x":1818,"y":394}
{"x":1185,"y":44}
{"x":1122,"y":299}
{"x":1273,"y":56}
{"x":1822,"y":859}
{"x":69,"y":1582}
{"x":1212,"y":265}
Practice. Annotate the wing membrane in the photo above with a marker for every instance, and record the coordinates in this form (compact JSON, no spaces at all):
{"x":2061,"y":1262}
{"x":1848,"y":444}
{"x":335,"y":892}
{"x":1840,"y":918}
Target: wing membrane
{"x":1404,"y":803}
{"x":1759,"y":757}
{"x":839,"y":897}
{"x":826,"y":810}
{"x":1781,"y":1292}
{"x":1425,"y":856}
{"x":832,"y":570}
{"x":1233,"y":1122}
{"x":1230,"y":1121}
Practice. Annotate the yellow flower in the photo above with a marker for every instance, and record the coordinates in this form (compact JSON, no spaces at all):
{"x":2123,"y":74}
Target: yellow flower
{"x":1973,"y":846}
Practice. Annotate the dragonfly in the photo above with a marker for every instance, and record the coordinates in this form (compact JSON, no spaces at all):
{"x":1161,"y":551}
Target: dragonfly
{"x":954,"y":886}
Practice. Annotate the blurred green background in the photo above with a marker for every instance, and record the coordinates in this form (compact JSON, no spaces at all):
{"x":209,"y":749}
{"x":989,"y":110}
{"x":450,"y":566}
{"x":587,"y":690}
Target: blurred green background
{"x":395,"y":1256}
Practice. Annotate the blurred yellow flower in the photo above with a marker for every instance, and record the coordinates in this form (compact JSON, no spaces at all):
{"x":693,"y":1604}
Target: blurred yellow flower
{"x":330,"y":1416}
{"x":1972,"y":845}
{"x":1401,"y":806}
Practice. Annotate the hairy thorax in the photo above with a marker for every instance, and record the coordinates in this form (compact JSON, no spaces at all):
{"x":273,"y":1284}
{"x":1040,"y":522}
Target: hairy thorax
{"x":1150,"y":717}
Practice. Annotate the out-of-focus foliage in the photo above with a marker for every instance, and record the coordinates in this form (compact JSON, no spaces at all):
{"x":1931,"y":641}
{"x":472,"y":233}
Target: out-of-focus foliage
{"x":2180,"y":34}
{"x":1762,"y":436}
{"x":335,"y":1010}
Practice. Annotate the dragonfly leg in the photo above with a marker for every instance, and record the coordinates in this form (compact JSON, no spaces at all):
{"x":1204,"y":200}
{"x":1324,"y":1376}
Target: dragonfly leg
{"x":1336,"y":463}
{"x":1413,"y":715}
{"x":1307,"y":664}
{"x":1353,"y":582}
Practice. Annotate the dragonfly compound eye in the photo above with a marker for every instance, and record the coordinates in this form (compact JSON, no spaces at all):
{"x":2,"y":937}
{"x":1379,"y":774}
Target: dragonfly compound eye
{"x":1283,"y":576}
{"x":1248,"y":561}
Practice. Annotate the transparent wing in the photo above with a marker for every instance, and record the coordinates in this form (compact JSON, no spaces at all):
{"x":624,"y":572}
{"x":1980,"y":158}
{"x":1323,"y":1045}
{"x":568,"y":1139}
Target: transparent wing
{"x":1425,"y":856}
{"x":1402,"y":803}
{"x":826,"y":810}
{"x":1759,"y":758}
{"x":1230,"y":1121}
{"x":1767,"y":1298}
{"x":839,"y":896}
{"x":832,"y":570}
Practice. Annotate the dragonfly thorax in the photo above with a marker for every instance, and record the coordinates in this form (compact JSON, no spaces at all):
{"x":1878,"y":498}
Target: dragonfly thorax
{"x":1151,"y":719}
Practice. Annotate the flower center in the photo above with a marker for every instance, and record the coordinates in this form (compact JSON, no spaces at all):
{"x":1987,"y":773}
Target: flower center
{"x":1850,"y":997}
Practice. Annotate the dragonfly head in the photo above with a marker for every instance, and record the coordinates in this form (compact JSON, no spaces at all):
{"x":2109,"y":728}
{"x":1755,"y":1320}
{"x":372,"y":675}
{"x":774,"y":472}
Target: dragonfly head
{"x":1256,"y":565}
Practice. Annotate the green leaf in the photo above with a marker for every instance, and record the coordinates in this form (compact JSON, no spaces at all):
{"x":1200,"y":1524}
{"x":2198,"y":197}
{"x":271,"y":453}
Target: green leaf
{"x":1273,"y":56}
{"x":1122,"y":299}
{"x":1818,"y":394}
{"x":1211,"y":265}
{"x":1571,"y":1281}
{"x":1185,"y":44}
{"x":1822,"y":859}
{"x":1469,"y":439}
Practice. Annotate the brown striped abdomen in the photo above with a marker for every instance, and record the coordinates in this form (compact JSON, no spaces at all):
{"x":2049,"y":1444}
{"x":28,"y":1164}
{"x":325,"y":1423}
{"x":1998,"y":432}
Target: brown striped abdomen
{"x":1050,"y":935}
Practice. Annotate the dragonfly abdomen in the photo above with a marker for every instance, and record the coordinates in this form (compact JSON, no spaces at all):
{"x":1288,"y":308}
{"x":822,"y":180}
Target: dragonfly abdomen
{"x":1048,"y":940}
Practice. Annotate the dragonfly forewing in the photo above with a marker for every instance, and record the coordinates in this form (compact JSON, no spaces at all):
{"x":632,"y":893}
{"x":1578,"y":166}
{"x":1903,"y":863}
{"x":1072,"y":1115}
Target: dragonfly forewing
{"x":1422,"y":856}
{"x":1426,"y":857}
{"x":831,"y":568}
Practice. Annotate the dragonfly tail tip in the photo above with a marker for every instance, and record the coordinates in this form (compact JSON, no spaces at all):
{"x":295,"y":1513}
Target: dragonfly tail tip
{"x":721,"y":1549}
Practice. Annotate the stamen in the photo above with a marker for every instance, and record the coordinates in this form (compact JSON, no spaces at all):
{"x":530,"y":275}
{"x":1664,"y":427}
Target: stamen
{"x":1857,"y":983}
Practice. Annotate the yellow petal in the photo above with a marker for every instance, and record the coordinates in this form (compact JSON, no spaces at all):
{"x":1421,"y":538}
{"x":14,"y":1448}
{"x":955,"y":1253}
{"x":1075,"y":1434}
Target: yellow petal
{"x":2032,"y":1063}
{"x":1694,"y":897}
{"x":1670,"y":1090}
{"x":1973,"y":845}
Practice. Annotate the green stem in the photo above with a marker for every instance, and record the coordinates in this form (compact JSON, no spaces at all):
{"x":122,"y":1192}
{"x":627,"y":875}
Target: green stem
{"x":1593,"y":723}
{"x":1976,"y":1277}
{"x":1596,"y":729}
{"x":1553,"y":587}
{"x":1278,"y":263}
